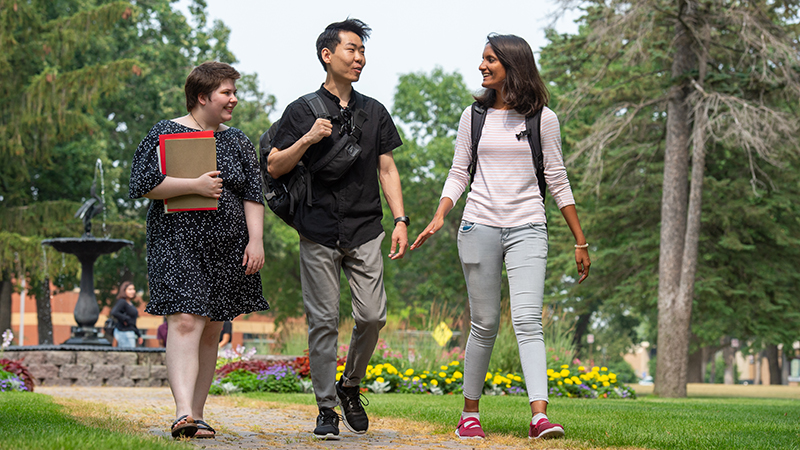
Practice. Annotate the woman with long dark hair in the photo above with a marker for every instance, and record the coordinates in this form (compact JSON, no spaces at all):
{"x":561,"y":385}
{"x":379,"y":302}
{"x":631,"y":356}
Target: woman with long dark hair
{"x":504,"y":222}
{"x":125,"y":314}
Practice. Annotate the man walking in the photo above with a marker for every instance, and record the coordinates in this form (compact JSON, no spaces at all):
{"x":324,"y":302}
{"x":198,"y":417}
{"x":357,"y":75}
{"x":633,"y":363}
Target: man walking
{"x":341,"y":229}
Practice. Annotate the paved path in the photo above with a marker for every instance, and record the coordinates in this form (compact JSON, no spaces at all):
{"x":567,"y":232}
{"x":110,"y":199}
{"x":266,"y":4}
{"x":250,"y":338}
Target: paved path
{"x":243,"y":423}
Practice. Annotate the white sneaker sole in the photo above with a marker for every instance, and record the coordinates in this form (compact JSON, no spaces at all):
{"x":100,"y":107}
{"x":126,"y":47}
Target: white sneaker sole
{"x":467,"y":437}
{"x":327,"y":437}
{"x":552,"y":433}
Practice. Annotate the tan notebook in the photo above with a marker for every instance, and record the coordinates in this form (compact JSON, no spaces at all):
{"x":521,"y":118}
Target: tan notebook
{"x":188,"y":155}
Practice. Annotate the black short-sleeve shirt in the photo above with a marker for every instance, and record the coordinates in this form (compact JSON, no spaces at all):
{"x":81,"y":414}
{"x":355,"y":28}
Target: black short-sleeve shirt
{"x":347,"y":213}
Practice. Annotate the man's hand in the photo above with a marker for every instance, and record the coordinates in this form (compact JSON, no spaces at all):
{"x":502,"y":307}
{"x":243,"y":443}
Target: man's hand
{"x":321,"y":129}
{"x":399,"y":241}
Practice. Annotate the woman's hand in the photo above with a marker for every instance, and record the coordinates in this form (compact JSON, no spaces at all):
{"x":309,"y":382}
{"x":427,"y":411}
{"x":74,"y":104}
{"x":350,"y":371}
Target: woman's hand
{"x":253,"y":256}
{"x":209,"y":184}
{"x":583,"y":262}
{"x":445,"y":205}
{"x":435,"y":225}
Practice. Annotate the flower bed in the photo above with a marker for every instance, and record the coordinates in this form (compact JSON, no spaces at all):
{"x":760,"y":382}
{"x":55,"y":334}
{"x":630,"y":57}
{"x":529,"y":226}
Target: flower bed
{"x":390,"y":375}
{"x":13,"y":375}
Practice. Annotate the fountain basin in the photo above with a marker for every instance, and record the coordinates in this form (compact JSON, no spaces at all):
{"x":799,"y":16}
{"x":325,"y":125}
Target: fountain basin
{"x":87,"y":249}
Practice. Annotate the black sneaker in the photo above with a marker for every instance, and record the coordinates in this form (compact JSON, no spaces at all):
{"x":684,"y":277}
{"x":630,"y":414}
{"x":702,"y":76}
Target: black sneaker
{"x":352,"y":403}
{"x":327,"y":425}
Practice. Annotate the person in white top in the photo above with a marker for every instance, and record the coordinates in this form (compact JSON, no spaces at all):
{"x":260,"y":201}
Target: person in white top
{"x":504,"y":222}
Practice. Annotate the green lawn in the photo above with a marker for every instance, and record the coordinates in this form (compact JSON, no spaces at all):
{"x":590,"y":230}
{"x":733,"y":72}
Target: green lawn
{"x":649,"y":422}
{"x":34,"y":421}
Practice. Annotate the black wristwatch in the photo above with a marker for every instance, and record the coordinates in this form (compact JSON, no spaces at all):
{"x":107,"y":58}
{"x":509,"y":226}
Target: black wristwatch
{"x":403,"y":219}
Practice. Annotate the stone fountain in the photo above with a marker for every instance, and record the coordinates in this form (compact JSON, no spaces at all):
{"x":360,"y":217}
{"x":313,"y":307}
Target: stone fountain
{"x":87,"y":248}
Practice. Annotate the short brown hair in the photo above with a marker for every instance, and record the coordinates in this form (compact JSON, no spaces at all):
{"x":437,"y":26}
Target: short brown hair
{"x":205,"y":78}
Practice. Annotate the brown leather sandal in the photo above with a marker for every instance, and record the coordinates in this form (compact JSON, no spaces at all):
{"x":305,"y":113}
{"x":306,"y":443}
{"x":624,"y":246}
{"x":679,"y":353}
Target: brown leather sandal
{"x":204,"y":427}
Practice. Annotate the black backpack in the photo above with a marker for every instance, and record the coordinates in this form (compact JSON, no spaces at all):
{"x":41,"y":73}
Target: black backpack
{"x":533,"y":126}
{"x":285,"y":194}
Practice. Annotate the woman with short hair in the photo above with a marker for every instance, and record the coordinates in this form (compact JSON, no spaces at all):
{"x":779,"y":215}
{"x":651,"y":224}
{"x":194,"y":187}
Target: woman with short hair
{"x":203,"y":266}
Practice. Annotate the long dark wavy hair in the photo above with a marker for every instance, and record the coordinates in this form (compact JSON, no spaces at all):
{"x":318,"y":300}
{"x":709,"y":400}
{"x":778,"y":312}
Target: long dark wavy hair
{"x":524,"y":88}
{"x":122,"y":288}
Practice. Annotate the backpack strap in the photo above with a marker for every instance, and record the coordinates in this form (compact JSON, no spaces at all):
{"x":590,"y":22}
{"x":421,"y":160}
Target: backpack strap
{"x":533,"y":130}
{"x":478,"y":119}
{"x":317,"y":106}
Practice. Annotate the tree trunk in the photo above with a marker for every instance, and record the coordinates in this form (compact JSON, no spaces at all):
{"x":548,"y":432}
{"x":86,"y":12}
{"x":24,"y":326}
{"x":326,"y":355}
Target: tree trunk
{"x":43,"y":313}
{"x":695,"y":371}
{"x":729,"y":356}
{"x":757,"y":367}
{"x":5,"y":302}
{"x":674,"y":307}
{"x":772,"y":363}
{"x":712,"y":377}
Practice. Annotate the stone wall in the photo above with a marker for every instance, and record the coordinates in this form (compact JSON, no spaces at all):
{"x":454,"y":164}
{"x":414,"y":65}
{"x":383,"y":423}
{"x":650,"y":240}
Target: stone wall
{"x":94,"y":368}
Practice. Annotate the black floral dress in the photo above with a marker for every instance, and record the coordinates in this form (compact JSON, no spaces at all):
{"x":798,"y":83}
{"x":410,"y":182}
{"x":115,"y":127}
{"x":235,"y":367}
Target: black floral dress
{"x":194,"y":258}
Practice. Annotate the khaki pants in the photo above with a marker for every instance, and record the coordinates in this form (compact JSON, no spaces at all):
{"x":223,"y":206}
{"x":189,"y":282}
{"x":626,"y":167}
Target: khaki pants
{"x":320,"y":269}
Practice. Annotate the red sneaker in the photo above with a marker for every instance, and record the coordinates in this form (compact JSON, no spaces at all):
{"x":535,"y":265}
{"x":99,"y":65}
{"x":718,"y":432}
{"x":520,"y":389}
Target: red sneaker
{"x":545,"y":430}
{"x":470,"y":428}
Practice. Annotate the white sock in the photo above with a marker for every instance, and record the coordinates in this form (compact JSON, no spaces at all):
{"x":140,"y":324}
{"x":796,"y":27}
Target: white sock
{"x":465,"y":414}
{"x":538,"y":417}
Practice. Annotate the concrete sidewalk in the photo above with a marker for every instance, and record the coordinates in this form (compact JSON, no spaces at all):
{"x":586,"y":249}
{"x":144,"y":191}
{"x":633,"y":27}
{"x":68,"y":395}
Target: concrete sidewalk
{"x":249,"y":424}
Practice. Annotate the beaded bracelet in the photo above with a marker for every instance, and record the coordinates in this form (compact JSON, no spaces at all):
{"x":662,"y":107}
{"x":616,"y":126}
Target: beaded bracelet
{"x":586,"y":245}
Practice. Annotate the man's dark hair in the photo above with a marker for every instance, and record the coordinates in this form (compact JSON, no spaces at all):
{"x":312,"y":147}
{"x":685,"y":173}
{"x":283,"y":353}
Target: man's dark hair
{"x":330,"y":37}
{"x":525,"y":90}
{"x":205,"y":79}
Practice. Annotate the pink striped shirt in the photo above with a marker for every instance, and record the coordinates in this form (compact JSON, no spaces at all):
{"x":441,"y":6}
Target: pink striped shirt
{"x":505,"y":192}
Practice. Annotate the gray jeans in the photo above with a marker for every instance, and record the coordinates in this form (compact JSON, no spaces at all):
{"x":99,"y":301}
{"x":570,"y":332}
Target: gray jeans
{"x":482,"y":250}
{"x":320,"y":269}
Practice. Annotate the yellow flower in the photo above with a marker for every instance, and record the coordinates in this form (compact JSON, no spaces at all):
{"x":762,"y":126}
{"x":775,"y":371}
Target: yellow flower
{"x":442,"y":374}
{"x":405,"y":378}
{"x":391,"y":370}
{"x":457,"y":375}
{"x":603,"y":378}
{"x":517,"y":378}
{"x":604,"y":369}
{"x":551,"y":379}
{"x":581,"y":368}
{"x":443,"y":367}
{"x":606,"y":384}
{"x":423,"y":376}
{"x":560,"y":383}
{"x":454,"y":363}
{"x":340,"y":368}
{"x":379,"y":380}
{"x":550,"y":372}
{"x":594,"y":386}
{"x":448,"y":380}
{"x":488,"y":376}
{"x":565,"y":366}
{"x":508,"y":385}
{"x":575,"y":380}
{"x":369,"y":367}
{"x":435,"y":382}
{"x":379,"y":367}
{"x":409,"y":372}
{"x":568,"y":381}
{"x":415,"y":379}
{"x":498,"y":379}
{"x":595,"y":369}
{"x":565,"y":373}
{"x":339,"y":375}
{"x":424,"y":384}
